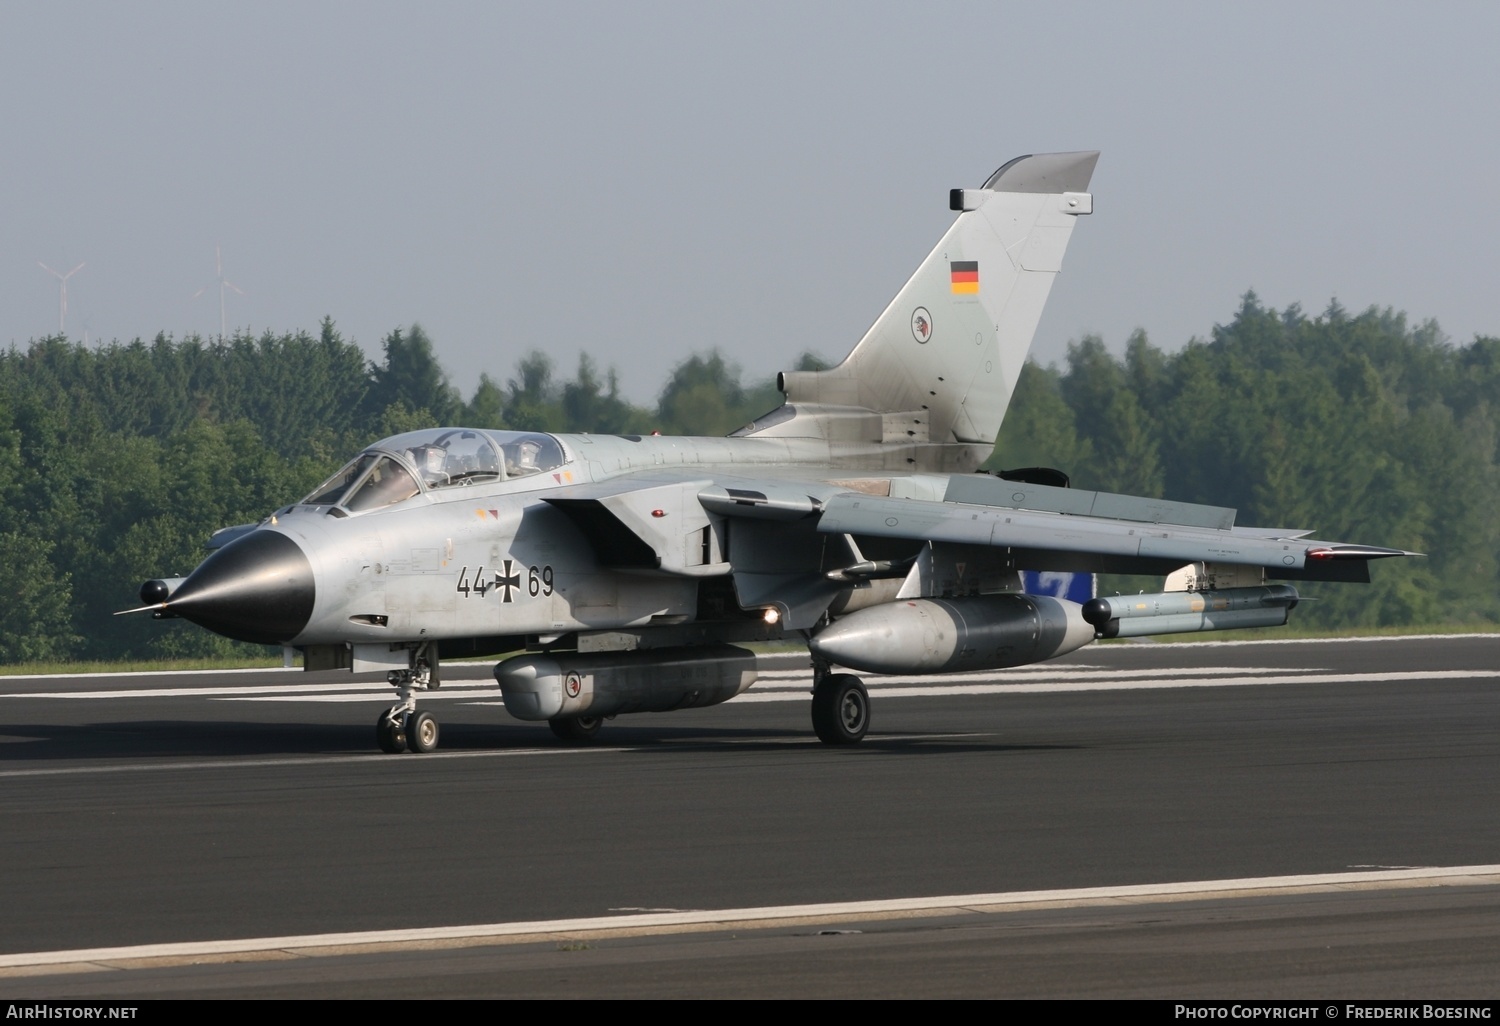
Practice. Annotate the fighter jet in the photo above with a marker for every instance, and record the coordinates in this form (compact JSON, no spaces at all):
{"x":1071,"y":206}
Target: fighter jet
{"x":625,"y":573}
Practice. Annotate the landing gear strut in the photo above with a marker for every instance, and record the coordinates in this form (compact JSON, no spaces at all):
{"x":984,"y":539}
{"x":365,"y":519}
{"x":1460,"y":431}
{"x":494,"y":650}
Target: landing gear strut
{"x":401,"y":727}
{"x":390,"y":731}
{"x":840,"y":707}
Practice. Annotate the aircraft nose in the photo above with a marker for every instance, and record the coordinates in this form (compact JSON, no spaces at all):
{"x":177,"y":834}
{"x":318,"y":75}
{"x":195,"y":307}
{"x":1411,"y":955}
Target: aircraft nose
{"x":258,"y":588}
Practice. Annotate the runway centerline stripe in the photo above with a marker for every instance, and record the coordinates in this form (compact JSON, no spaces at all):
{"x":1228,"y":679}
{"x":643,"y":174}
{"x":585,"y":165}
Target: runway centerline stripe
{"x":765,"y":916}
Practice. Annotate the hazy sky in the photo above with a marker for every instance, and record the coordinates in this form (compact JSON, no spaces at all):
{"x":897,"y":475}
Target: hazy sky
{"x":645,"y":180}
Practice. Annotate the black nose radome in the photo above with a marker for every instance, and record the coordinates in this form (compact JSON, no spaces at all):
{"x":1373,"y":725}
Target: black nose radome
{"x":257,"y":588}
{"x":153,"y":592}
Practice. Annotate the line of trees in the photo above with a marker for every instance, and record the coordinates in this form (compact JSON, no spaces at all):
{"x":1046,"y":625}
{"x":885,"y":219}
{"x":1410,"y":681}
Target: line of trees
{"x":117,"y":462}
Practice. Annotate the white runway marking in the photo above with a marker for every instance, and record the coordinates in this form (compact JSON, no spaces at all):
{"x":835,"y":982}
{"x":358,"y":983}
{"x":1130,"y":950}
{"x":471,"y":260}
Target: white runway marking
{"x":1063,"y":673}
{"x":335,"y":692}
{"x":741,"y":918}
{"x":1133,"y":645}
{"x":944,"y":686}
{"x":136,"y":673}
{"x":1035,"y":670}
{"x":1146,"y":643}
{"x":368,"y":759}
{"x":770,"y":685}
{"x":794,"y":685}
{"x":385,"y":694}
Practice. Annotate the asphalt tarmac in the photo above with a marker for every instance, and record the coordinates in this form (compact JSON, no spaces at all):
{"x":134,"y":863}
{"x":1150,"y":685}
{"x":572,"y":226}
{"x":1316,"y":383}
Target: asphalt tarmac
{"x":251,"y":809}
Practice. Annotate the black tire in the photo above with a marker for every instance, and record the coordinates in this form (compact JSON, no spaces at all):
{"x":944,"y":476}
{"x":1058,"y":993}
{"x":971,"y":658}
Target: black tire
{"x":421,"y":732}
{"x":840,"y":709}
{"x":575,"y":728}
{"x":391,"y":737}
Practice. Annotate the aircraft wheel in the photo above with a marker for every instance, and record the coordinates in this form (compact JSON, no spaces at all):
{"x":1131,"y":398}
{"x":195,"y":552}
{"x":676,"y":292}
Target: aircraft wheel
{"x":421,"y":732}
{"x":575,"y":728}
{"x":390,"y":736}
{"x":840,"y":709}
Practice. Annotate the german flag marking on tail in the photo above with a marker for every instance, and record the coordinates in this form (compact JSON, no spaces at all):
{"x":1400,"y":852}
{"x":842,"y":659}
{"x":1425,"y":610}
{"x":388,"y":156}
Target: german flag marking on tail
{"x":964,"y":276}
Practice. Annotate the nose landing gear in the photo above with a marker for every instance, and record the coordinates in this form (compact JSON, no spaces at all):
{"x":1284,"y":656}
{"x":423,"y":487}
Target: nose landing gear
{"x":390,"y":731}
{"x":402,"y":727}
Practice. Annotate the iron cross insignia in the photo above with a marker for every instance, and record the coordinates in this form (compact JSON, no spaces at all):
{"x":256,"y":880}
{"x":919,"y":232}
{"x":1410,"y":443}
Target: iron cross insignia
{"x":509,"y":582}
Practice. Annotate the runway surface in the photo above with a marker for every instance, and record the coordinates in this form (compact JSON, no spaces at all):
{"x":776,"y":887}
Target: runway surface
{"x":193,"y":809}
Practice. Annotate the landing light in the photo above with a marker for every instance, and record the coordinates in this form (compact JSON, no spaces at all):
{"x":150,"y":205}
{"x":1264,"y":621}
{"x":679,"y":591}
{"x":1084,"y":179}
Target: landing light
{"x":772,"y":615}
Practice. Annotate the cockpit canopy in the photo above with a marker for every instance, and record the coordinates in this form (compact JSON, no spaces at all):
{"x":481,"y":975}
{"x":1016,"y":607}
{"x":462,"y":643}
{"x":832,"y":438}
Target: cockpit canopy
{"x":389,"y":471}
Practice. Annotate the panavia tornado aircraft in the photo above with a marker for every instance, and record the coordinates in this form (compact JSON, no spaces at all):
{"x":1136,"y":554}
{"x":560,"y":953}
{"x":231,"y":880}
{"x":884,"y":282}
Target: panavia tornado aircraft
{"x":622,"y":573}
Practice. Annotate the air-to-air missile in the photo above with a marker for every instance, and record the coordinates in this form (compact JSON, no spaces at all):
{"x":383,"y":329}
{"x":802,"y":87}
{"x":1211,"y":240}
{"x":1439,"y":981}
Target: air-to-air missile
{"x":1183,"y":612}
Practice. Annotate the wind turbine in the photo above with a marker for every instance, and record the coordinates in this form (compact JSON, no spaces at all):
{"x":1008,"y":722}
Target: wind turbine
{"x":62,"y":302}
{"x":223,"y":284}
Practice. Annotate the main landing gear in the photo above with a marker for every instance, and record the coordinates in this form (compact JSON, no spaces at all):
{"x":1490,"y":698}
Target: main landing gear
{"x":840,"y":707}
{"x":576,"y":728}
{"x":402,"y":727}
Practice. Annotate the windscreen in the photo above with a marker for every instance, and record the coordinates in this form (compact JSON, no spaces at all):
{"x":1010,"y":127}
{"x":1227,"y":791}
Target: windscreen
{"x":387,"y":483}
{"x":329,"y":492}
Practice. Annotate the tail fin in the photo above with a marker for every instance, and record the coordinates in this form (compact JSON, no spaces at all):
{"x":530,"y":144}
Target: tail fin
{"x":954,"y":339}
